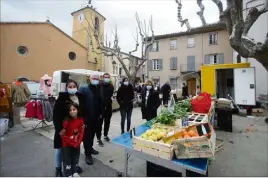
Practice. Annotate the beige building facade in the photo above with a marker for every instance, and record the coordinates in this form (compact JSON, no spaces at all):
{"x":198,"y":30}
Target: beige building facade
{"x":32,"y":49}
{"x":175,"y":55}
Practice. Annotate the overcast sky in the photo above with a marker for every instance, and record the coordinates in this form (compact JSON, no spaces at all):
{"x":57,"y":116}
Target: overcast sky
{"x":121,"y":12}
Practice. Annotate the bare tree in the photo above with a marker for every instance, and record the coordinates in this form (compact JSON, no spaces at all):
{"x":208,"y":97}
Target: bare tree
{"x":238,"y":29}
{"x":105,"y":46}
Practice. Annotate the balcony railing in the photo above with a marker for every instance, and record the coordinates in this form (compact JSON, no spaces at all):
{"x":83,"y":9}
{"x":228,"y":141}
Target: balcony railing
{"x":185,"y":68}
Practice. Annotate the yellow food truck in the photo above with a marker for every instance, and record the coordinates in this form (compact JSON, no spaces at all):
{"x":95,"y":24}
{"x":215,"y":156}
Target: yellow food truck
{"x":237,"y":80}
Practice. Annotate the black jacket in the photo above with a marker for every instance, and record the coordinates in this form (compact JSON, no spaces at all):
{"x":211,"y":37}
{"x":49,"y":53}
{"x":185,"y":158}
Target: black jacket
{"x":153,"y":101}
{"x":149,"y":111}
{"x":125,"y":96}
{"x":165,"y":90}
{"x":185,"y":91}
{"x":60,"y":112}
{"x":92,"y":102}
{"x":107,"y":91}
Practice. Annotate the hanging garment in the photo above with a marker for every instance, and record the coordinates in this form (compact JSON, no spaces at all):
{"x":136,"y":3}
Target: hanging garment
{"x":20,"y":94}
{"x":47,"y":110}
{"x":46,"y":84}
{"x":4,"y":95}
{"x":39,"y":111}
{"x":31,"y":109}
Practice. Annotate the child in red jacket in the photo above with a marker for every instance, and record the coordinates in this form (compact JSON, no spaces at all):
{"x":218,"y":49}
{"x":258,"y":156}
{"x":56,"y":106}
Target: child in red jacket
{"x":72,"y":136}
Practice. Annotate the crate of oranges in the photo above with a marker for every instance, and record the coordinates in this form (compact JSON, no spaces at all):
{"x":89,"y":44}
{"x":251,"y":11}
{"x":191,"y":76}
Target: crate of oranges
{"x":197,"y":141}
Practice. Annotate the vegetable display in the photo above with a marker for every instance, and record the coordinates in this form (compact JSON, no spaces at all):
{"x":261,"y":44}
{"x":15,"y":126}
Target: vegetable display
{"x":168,"y":117}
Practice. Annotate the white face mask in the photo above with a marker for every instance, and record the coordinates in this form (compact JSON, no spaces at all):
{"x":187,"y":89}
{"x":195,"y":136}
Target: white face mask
{"x":125,"y":83}
{"x":72,"y":91}
{"x":149,"y":87}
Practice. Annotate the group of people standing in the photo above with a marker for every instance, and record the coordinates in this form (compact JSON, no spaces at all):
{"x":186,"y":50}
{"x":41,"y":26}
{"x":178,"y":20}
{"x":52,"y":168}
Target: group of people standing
{"x":78,"y":116}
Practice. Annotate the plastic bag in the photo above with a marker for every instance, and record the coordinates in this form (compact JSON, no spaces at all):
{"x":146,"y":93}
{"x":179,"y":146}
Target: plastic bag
{"x":201,"y":103}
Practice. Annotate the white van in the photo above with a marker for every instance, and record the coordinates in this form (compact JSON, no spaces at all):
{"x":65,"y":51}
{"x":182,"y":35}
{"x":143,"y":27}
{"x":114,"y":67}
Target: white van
{"x":60,"y":78}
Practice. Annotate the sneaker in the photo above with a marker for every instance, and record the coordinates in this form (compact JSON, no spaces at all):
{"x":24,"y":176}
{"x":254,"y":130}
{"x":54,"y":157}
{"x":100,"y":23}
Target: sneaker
{"x":106,"y":138}
{"x":76,"y":175}
{"x":100,"y":143}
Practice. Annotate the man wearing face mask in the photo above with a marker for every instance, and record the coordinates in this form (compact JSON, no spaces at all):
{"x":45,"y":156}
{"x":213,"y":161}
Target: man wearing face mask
{"x":92,"y":114}
{"x":124,"y":97}
{"x":150,"y":101}
{"x":107,"y":91}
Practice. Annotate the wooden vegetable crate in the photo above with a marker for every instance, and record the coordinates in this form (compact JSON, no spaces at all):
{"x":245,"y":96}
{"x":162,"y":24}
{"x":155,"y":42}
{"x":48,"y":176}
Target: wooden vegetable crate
{"x":156,"y":149}
{"x":196,"y":147}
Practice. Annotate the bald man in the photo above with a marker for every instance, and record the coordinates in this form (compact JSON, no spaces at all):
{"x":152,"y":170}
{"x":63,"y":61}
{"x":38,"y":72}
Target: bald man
{"x":92,"y":114}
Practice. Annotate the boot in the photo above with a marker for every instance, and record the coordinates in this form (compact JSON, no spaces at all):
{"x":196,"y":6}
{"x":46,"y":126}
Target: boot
{"x":100,"y":143}
{"x":94,"y":152}
{"x":58,"y":172}
{"x":89,"y":160}
{"x":79,"y":170}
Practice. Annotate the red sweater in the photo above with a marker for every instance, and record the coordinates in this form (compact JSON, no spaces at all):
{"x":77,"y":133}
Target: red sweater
{"x":74,"y":131}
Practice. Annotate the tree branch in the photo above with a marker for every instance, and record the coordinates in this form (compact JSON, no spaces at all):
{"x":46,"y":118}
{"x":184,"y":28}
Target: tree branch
{"x":252,"y":16}
{"x":137,"y":43}
{"x":219,"y":4}
{"x":183,"y":21}
{"x":201,"y":12}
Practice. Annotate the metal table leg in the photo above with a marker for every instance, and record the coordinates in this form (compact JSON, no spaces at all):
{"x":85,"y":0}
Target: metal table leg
{"x":183,"y":173}
{"x":126,"y":163}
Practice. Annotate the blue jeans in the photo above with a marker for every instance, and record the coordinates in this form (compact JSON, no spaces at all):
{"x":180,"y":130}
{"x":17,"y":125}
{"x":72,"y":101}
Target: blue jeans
{"x":125,"y":113}
{"x":58,"y":158}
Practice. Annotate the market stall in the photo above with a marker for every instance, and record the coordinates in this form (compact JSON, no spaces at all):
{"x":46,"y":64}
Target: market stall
{"x":179,"y":138}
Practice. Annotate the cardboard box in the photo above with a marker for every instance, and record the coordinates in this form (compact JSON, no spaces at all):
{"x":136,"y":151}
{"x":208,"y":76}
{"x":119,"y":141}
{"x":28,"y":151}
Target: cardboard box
{"x":257,"y":112}
{"x":196,"y":147}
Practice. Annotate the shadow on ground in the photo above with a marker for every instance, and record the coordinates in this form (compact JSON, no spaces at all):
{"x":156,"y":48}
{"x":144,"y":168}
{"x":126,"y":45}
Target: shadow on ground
{"x":30,"y":154}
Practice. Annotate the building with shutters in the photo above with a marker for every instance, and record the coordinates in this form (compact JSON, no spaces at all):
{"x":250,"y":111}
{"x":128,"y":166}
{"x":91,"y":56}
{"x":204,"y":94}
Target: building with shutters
{"x":179,"y":54}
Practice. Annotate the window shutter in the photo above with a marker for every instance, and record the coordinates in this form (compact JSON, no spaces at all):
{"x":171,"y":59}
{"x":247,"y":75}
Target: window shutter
{"x":160,"y":64}
{"x":221,"y":58}
{"x":206,"y":60}
{"x":149,"y":65}
{"x":175,"y":63}
{"x":171,"y":63}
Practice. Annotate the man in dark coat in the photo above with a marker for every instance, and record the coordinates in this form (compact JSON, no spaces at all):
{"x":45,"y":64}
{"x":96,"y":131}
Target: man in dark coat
{"x":184,"y":91}
{"x":124,"y":97}
{"x":165,"y":90}
{"x":92,"y":115}
{"x":107,"y":91}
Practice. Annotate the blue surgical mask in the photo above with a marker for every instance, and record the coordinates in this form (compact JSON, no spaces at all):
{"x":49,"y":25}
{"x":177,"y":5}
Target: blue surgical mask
{"x":94,"y":82}
{"x":149,"y":87}
{"x":125,"y":83}
{"x":72,"y":91}
{"x":107,"y":80}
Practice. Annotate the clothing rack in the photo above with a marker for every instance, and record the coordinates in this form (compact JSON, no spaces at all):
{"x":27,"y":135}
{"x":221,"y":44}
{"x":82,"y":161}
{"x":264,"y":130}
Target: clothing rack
{"x":43,"y":121}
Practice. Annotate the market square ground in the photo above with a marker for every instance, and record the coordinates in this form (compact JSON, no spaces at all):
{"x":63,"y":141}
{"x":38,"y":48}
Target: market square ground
{"x":30,"y":153}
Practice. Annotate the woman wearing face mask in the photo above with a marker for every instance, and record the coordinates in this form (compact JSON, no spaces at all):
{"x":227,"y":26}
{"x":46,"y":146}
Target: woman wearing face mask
{"x":150,"y":101}
{"x":71,"y":95}
{"x":124,"y":97}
